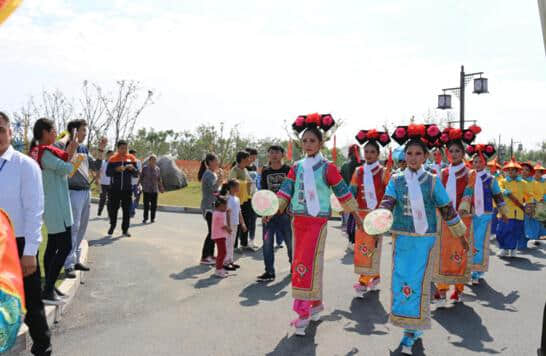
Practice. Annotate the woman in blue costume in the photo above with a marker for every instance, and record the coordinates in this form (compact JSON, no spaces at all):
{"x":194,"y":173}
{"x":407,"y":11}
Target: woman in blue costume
{"x":484,"y":190}
{"x":414,"y":196}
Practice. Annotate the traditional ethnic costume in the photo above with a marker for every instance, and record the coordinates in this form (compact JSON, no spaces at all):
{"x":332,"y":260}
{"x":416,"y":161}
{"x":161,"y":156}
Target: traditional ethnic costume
{"x":452,"y":265}
{"x":534,"y":229}
{"x":368,"y":186}
{"x":306,"y":191}
{"x":414,"y":197}
{"x":484,"y":192}
{"x":510,"y":234}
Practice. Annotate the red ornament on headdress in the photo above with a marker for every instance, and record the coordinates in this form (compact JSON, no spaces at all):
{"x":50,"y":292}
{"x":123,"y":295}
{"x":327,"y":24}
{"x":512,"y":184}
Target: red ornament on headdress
{"x":400,"y":132}
{"x":361,"y":135}
{"x":373,"y":134}
{"x":384,"y":138}
{"x":475,"y":129}
{"x":416,"y":130}
{"x":455,"y":134}
{"x":469,"y":135}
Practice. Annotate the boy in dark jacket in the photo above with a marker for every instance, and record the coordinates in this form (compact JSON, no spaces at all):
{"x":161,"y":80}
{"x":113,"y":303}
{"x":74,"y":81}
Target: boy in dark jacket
{"x":121,"y":168}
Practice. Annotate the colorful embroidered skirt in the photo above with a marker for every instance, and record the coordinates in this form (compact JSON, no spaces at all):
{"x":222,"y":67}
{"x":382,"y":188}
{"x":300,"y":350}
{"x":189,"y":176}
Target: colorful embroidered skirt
{"x":412,"y":264}
{"x":309,"y":235}
{"x":367,"y":255}
{"x":451,"y":264}
{"x":481,"y":227}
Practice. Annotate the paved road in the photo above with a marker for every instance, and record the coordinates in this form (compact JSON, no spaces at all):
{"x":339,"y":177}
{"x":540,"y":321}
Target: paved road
{"x":146,"y":295}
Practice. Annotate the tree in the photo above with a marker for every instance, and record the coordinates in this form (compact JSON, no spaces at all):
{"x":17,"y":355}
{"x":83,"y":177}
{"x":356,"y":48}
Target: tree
{"x":124,"y":107}
{"x":147,"y":142}
{"x":54,"y":106}
{"x":93,"y":111}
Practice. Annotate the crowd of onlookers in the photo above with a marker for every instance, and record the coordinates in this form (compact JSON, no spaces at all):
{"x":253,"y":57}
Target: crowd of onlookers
{"x":51,"y":184}
{"x":227,"y":208}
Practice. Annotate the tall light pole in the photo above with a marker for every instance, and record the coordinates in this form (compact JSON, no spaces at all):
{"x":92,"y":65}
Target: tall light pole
{"x":480,"y":87}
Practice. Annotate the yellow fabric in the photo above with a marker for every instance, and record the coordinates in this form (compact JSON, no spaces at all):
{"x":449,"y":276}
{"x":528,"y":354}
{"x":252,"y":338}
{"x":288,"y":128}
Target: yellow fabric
{"x":520,"y":192}
{"x":241,"y":175}
{"x":536,"y":190}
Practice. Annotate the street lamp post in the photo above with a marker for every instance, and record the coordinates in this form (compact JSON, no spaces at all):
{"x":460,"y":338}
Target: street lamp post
{"x":480,"y":87}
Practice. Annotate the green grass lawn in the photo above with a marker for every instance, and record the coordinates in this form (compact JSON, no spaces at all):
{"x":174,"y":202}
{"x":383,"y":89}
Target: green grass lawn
{"x":189,"y":196}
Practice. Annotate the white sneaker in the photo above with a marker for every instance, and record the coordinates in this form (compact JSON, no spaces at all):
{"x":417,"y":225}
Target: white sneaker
{"x":220,"y":273}
{"x":513,"y":253}
{"x":503,"y":253}
{"x":252,"y":246}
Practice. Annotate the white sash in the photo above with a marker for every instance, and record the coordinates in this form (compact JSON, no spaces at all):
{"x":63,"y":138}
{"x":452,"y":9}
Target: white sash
{"x":452,"y":183}
{"x":416,"y":200}
{"x":478,"y":193}
{"x":309,"y":185}
{"x":369,"y":186}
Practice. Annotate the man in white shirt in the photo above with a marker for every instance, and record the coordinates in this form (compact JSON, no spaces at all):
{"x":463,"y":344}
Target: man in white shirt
{"x":22,"y":197}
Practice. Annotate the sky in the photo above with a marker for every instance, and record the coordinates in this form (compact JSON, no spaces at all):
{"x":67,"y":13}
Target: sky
{"x":262,"y":63}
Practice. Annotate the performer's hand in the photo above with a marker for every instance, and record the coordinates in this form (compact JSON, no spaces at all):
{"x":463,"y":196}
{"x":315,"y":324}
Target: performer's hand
{"x":120,"y":168}
{"x":504,"y":219}
{"x":266,"y":219}
{"x":244,"y":228}
{"x":464,"y":243}
{"x":28,"y":265}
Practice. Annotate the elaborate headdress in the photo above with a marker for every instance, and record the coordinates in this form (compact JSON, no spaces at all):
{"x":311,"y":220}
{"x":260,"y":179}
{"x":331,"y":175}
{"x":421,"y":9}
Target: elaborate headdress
{"x":427,"y":134}
{"x":322,"y":122}
{"x":381,"y":137}
{"x":452,"y":135}
{"x":483,"y":151}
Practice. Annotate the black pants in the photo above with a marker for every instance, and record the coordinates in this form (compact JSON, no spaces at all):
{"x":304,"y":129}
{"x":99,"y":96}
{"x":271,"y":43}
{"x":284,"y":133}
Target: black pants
{"x":35,"y":317}
{"x":122,"y":198}
{"x":208,"y":245}
{"x":248,"y":216}
{"x":150,"y":203}
{"x":104,"y":199}
{"x":57,"y":249}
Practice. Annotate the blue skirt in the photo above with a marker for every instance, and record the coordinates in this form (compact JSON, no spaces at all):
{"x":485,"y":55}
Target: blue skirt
{"x":481,"y":225}
{"x":411,"y":277}
{"x":534,"y":229}
{"x":510,"y":235}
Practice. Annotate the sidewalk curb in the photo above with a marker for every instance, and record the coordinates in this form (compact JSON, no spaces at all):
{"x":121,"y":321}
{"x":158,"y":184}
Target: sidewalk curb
{"x":70,"y":288}
{"x":185,"y":209}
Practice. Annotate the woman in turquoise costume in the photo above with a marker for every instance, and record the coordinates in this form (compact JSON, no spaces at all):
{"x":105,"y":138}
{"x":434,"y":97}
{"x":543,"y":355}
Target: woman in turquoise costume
{"x":414,"y":195}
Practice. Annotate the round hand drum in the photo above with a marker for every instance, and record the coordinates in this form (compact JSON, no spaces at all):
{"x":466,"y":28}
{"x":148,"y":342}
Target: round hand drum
{"x":265,"y":203}
{"x":336,"y":205}
{"x":378,"y":222}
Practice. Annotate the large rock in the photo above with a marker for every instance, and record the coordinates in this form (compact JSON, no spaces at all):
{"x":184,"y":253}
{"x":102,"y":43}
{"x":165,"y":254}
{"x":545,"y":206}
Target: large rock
{"x":173,"y":178}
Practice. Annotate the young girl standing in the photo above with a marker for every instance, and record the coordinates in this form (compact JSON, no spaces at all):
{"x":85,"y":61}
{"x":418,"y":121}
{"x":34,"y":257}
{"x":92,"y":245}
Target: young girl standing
{"x":306,"y":192}
{"x":220,"y":232}
{"x":235,"y":219}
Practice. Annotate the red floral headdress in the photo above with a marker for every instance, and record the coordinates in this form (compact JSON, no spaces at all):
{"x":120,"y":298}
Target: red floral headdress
{"x":426,"y":133}
{"x":452,"y":135}
{"x":483,"y":151}
{"x":323,"y":122}
{"x":381,"y":137}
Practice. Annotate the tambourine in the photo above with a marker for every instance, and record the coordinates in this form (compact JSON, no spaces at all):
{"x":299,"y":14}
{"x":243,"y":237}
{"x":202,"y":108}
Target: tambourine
{"x":265,"y":203}
{"x":378,"y":222}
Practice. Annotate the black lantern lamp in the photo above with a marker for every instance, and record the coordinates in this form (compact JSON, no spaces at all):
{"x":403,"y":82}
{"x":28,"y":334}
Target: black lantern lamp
{"x":444,"y":101}
{"x":480,"y":86}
